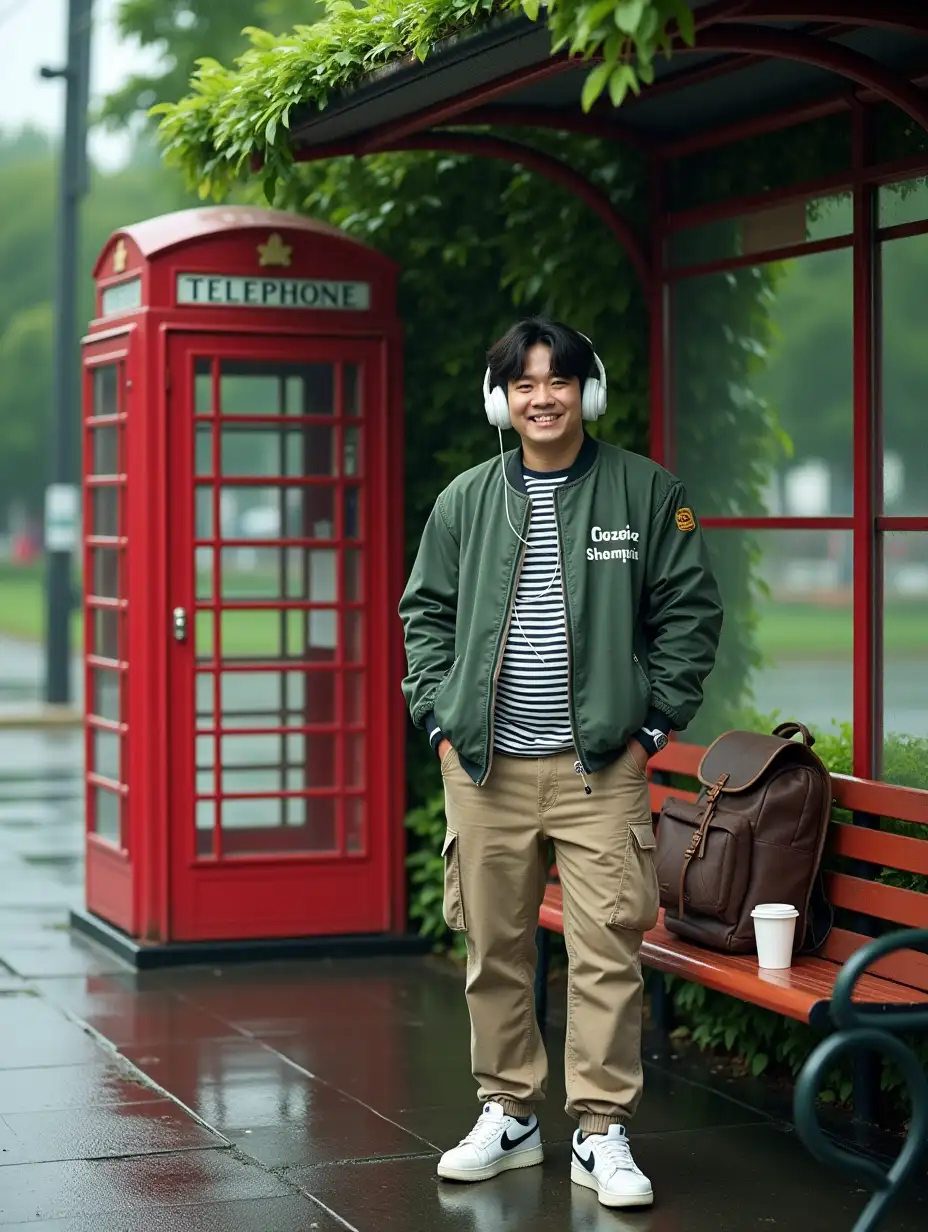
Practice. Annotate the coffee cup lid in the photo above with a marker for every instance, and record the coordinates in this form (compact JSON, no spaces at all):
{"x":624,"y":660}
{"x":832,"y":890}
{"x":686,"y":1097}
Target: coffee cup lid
{"x":774,"y":911}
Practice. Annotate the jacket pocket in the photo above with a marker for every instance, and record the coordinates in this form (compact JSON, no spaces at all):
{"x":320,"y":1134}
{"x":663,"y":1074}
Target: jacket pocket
{"x":445,"y":681}
{"x":453,"y":905}
{"x":637,"y":903}
{"x":641,"y":676}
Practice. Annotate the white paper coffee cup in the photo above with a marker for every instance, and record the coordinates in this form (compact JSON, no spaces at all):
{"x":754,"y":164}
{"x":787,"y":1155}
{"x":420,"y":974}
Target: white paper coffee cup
{"x":774,"y":928}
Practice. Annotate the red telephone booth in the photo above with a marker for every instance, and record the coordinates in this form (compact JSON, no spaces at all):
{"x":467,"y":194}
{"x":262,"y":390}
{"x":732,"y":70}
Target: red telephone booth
{"x":243,"y":561}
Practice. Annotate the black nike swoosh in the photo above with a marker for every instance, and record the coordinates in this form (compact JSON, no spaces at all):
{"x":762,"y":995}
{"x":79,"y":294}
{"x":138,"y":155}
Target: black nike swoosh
{"x":589,"y":1163}
{"x":509,"y":1144}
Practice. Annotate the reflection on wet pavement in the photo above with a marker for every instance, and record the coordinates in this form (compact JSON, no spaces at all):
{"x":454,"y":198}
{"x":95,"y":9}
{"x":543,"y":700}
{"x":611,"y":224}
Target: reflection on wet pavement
{"x":308,"y":1095}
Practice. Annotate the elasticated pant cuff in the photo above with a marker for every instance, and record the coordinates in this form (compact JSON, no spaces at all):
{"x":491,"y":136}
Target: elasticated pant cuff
{"x":593,"y":1123}
{"x":512,"y":1107}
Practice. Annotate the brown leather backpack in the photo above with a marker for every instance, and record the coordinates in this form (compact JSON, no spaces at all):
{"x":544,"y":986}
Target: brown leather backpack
{"x":754,"y":835}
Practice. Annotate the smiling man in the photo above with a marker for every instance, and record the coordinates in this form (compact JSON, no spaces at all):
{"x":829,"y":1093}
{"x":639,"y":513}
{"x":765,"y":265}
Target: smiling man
{"x":560,"y":619}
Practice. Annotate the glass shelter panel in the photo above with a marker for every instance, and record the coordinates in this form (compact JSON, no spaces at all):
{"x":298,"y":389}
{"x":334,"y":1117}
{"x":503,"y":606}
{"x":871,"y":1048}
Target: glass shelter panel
{"x":762,"y":384}
{"x":905,"y":657}
{"x":787,"y":641}
{"x":904,"y":375}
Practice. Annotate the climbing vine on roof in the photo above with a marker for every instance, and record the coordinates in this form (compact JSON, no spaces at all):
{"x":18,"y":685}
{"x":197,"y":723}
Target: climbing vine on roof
{"x":237,"y":117}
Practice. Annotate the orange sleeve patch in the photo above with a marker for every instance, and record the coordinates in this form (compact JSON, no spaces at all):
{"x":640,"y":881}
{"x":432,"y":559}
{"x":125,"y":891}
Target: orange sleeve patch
{"x":685,"y":520}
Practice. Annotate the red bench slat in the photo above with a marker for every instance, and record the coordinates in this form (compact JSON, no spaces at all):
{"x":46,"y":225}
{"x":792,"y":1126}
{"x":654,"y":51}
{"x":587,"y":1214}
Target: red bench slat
{"x":906,"y":967}
{"x":904,"y":907}
{"x":880,"y":847}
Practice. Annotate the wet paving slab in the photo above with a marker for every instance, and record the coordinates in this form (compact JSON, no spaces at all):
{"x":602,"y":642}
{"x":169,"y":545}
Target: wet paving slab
{"x":314,"y":1095}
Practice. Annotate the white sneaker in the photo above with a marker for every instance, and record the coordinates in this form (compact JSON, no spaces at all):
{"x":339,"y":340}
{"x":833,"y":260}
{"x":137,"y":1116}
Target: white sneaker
{"x":603,"y":1163}
{"x":496,"y":1143}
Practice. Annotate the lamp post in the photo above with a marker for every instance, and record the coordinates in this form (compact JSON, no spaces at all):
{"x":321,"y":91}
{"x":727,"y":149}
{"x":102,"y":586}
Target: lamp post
{"x":61,"y":495}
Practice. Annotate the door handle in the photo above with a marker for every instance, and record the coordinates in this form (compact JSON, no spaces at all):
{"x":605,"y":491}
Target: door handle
{"x":180,"y":624}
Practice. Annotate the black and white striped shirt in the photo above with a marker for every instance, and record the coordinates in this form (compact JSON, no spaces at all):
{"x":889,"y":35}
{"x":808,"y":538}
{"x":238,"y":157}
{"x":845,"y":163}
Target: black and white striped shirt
{"x":532,"y":716}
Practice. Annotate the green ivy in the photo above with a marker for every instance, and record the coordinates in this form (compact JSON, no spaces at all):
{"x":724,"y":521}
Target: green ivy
{"x":235,"y":115}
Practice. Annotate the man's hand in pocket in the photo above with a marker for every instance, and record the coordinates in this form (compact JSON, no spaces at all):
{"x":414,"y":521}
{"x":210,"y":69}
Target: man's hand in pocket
{"x":639,"y":754}
{"x":444,"y":748}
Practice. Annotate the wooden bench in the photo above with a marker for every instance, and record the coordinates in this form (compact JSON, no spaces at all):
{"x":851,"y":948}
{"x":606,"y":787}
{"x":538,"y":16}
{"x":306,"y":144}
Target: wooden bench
{"x":864,"y":907}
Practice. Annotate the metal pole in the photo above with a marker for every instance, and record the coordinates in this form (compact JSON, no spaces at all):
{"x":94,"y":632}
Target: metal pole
{"x":61,"y":498}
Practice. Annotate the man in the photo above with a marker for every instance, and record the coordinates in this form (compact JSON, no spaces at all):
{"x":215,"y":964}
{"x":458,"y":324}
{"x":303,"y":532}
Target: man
{"x":560,"y":620}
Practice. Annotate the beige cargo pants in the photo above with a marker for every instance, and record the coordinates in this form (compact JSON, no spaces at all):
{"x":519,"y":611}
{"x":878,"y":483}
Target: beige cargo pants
{"x":495,"y":869}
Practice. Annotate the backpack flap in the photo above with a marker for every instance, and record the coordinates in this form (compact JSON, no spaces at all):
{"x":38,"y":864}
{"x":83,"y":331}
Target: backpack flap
{"x":743,"y":758}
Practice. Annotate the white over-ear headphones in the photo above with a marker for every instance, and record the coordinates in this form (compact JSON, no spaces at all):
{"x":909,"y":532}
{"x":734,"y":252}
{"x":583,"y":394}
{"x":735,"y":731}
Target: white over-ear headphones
{"x":592,"y":400}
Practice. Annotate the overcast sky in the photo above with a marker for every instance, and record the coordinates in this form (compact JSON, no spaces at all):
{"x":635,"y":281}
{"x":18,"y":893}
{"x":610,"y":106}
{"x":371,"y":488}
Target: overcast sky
{"x":33,"y":33}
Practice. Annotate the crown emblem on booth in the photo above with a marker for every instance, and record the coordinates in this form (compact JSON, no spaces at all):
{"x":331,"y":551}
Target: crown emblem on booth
{"x":119,"y":257}
{"x":275,"y":251}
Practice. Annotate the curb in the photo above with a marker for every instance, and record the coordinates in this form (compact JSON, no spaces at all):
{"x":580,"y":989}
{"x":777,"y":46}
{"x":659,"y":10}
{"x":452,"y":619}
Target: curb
{"x":41,"y":718}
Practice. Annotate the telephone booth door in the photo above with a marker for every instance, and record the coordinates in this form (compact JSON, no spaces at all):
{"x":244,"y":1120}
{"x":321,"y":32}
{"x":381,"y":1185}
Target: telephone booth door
{"x":278,"y":547}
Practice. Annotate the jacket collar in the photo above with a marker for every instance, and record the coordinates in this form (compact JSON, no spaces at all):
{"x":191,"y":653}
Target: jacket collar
{"x":582,"y":464}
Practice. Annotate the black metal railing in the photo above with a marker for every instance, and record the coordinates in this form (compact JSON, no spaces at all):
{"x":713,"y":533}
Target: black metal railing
{"x":877,"y":1030}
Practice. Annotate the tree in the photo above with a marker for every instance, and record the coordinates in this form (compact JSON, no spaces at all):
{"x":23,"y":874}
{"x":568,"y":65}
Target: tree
{"x":27,"y":287}
{"x":185,"y":31}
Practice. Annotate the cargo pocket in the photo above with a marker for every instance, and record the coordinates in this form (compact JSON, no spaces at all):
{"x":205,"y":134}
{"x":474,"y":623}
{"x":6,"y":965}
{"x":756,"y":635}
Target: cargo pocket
{"x":637,"y":903}
{"x":453,"y":903}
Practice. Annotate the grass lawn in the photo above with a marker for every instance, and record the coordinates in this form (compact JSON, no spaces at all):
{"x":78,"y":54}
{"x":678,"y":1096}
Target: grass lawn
{"x":785,"y":631}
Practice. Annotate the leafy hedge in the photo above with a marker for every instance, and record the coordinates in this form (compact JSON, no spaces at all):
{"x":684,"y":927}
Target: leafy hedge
{"x":235,"y":115}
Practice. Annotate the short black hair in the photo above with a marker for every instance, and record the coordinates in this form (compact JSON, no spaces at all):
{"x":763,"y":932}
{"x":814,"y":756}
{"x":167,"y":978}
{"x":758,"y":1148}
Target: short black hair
{"x":571,"y":354}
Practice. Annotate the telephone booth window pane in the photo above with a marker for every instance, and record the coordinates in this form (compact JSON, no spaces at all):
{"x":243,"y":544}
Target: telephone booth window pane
{"x":203,"y":638}
{"x":204,"y":450}
{"x":318,"y":389}
{"x":104,"y":512}
{"x":204,"y":513}
{"x":354,"y":637}
{"x":205,"y":699}
{"x":354,"y":825}
{"x":105,"y":392}
{"x":105,"y":755}
{"x":351,"y":390}
{"x":247,"y":388}
{"x":254,"y":452}
{"x":105,"y":704}
{"x":319,"y":762}
{"x":352,"y":452}
{"x":251,"y":827}
{"x":320,"y":512}
{"x":354,"y":697}
{"x":353,"y":576}
{"x":251,"y":635}
{"x":354,"y":760}
{"x":206,"y":820}
{"x":105,"y":450}
{"x":204,"y":573}
{"x":106,"y":814}
{"x":323,"y":576}
{"x":251,"y":573}
{"x":203,"y":387}
{"x":319,"y":456}
{"x":321,"y":825}
{"x":321,"y":628}
{"x":352,"y":528}
{"x":106,"y":573}
{"x":106,"y":633}
{"x":320,"y":697}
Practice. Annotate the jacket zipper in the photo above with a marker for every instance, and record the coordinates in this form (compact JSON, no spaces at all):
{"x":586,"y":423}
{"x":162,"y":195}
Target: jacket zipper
{"x":579,"y":767}
{"x":502,"y":646}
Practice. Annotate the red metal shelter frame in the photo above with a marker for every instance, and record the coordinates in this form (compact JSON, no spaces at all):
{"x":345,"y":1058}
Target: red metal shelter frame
{"x":725,"y":27}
